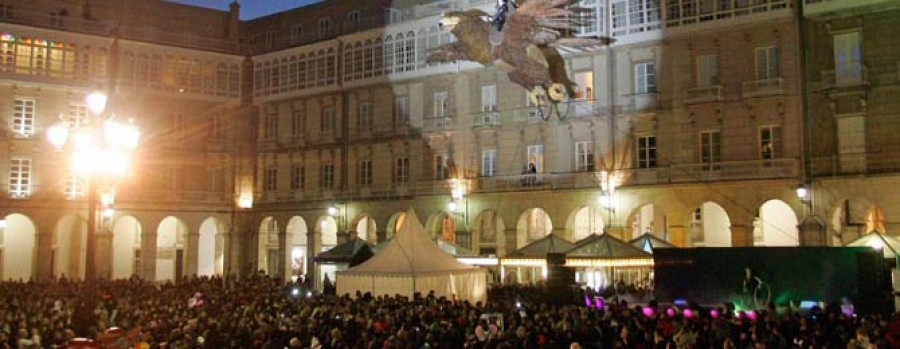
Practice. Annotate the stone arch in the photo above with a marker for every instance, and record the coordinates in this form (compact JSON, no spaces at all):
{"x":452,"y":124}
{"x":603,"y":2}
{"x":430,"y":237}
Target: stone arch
{"x":327,"y":228}
{"x":69,"y":247}
{"x":17,"y":248}
{"x":126,"y":247}
{"x":298,"y":240}
{"x":585,"y":221}
{"x":649,"y":219}
{"x":853,"y":218}
{"x":709,"y":226}
{"x":170,"y":242}
{"x":533,"y":224}
{"x":441,"y":226}
{"x":487,"y":233}
{"x":211,"y":248}
{"x":365,"y":228}
{"x":267,"y":246}
{"x":394,"y":223}
{"x":776,"y":225}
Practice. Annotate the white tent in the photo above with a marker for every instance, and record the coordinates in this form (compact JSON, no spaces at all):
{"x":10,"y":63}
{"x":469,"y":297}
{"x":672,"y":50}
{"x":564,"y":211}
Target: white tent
{"x":412,"y":263}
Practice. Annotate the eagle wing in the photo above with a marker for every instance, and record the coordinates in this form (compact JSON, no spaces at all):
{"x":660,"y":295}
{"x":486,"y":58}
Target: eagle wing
{"x":551,"y":23}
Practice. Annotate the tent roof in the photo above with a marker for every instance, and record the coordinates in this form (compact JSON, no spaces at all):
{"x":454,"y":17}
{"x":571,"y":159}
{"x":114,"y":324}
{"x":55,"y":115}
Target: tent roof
{"x":647,"y":242}
{"x":551,"y":243}
{"x":872,"y":240}
{"x":345,"y":252}
{"x":448,"y":247}
{"x":605,"y":246}
{"x":410,"y":252}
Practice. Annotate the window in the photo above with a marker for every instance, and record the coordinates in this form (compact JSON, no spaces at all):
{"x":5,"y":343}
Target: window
{"x":534,"y":158}
{"x":20,"y":177}
{"x":324,"y":27}
{"x":6,"y":11}
{"x":646,"y":148}
{"x":644,"y":78}
{"x":353,"y":18}
{"x":533,"y":111}
{"x":327,"y":176}
{"x":77,"y":116}
{"x":401,"y":110}
{"x":392,"y":15}
{"x":270,"y":40}
{"x":271,"y":132}
{"x":489,"y":98}
{"x":634,"y":16}
{"x":365,"y":172}
{"x":767,"y":63}
{"x":328,"y":119}
{"x":23,"y":117}
{"x":297,"y":34}
{"x":401,"y":170}
{"x":590,"y":18}
{"x":217,"y":128}
{"x":440,"y":104}
{"x":298,"y":177}
{"x":488,"y":162}
{"x":710,"y":147}
{"x":298,"y":123}
{"x":847,"y":59}
{"x":584,"y":86}
{"x":74,"y":186}
{"x":770,"y":142}
{"x":584,"y":156}
{"x":364,"y":116}
{"x":707,"y":70}
{"x":441,"y":166}
{"x":271,"y":179}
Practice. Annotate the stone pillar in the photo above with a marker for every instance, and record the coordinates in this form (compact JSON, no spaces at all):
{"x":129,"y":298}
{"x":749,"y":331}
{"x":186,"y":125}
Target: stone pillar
{"x":313,"y":246}
{"x":677,"y":235}
{"x":43,"y":266}
{"x":148,"y":256}
{"x":812,"y":232}
{"x":191,"y":253}
{"x":282,"y":256}
{"x":103,"y":257}
{"x":741,"y":236}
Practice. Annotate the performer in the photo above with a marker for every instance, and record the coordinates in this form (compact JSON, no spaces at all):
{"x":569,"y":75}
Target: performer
{"x":499,"y":17}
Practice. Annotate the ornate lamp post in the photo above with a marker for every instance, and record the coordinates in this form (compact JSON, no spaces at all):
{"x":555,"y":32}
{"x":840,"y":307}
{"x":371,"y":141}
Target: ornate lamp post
{"x":99,"y":152}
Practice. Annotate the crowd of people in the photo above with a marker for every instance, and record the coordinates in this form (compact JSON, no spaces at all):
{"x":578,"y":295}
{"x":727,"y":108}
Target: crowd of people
{"x":260,"y":312}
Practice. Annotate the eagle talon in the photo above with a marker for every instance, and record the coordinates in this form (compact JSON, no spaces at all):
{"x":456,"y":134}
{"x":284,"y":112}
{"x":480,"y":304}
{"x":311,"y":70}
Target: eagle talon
{"x":556,"y":92}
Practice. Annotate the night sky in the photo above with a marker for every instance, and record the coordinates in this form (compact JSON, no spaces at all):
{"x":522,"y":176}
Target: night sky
{"x":251,"y":8}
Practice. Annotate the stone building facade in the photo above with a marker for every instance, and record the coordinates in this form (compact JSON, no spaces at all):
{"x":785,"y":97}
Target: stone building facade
{"x":267,"y":141}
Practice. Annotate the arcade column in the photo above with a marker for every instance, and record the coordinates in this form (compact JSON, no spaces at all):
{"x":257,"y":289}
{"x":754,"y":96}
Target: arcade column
{"x":192,"y":253}
{"x":741,"y":236}
{"x":148,"y":256}
{"x":103,"y":258}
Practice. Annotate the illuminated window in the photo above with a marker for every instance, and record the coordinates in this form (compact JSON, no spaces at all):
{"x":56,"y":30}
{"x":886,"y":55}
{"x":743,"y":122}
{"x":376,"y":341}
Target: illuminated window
{"x":23,"y":117}
{"x":584,"y":86}
{"x":534,"y":160}
{"x":20,"y":177}
{"x":770,"y":142}
{"x":441,"y":166}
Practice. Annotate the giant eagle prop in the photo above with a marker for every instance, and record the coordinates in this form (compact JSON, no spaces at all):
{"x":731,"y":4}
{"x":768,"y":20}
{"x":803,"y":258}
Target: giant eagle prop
{"x":529,"y":49}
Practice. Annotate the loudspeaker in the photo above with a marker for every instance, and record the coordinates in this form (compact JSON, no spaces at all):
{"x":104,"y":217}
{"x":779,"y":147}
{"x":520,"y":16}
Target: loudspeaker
{"x":554,"y":259}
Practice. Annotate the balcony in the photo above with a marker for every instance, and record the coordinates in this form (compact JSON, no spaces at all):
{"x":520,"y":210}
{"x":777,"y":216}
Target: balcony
{"x":846,"y":77}
{"x":735,"y":170}
{"x":438,"y":124}
{"x":813,"y":8}
{"x":486,"y":119}
{"x":704,"y":94}
{"x":762,"y":88}
{"x":857,"y":163}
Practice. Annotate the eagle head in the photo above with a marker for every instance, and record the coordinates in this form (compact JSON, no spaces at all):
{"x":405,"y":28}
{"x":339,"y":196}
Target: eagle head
{"x":450,"y":20}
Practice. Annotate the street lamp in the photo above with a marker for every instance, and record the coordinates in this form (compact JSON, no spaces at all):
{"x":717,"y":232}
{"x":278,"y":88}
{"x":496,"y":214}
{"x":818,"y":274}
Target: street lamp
{"x":99,"y":151}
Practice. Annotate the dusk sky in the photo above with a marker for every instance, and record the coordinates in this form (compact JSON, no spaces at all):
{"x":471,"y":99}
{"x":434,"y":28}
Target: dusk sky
{"x":251,"y":8}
